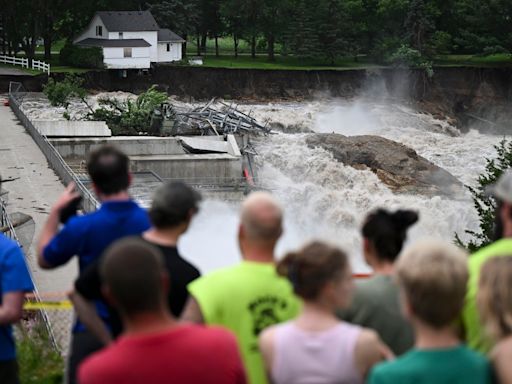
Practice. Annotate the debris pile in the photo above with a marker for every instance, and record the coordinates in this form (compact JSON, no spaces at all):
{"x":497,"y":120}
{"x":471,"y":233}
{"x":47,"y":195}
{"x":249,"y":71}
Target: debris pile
{"x":210,"y":119}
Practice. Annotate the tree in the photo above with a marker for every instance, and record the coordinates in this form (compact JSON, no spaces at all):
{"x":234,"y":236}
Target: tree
{"x":486,"y":205}
{"x":181,"y":16}
{"x":419,"y":23}
{"x":273,"y":20}
{"x":301,"y":36}
{"x":233,"y":20}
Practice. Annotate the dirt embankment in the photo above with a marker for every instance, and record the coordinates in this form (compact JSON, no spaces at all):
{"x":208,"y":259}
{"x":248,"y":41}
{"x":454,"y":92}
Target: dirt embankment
{"x":465,"y":95}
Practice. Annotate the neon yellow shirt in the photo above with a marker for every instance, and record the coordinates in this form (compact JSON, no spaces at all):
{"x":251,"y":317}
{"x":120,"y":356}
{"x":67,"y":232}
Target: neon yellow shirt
{"x":475,"y":332}
{"x":246,"y":299}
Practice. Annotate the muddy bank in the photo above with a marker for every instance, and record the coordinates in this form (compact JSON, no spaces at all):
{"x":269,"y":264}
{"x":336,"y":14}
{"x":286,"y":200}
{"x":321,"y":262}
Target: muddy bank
{"x":462,"y":95}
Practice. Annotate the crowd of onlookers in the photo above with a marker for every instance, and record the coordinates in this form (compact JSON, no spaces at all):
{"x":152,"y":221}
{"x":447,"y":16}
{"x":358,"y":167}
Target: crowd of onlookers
{"x":429,"y":313}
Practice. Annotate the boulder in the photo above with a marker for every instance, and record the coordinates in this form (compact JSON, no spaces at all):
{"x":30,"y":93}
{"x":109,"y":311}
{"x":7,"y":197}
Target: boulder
{"x":396,"y":165}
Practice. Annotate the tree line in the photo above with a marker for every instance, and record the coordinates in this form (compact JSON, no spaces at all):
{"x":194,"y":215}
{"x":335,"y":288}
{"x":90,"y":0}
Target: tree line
{"x":326,"y":29}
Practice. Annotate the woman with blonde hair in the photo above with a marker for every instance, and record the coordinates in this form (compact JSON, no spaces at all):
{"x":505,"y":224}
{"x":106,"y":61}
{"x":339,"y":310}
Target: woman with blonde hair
{"x":316,"y":347}
{"x":494,"y":300}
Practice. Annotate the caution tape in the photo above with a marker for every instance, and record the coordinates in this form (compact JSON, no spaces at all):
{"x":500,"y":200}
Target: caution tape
{"x":48,"y":305}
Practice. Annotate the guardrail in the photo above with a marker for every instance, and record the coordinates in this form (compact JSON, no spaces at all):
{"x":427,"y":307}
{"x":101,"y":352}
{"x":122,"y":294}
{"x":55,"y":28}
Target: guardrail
{"x":5,"y":222}
{"x":24,"y":63}
{"x":55,"y":160}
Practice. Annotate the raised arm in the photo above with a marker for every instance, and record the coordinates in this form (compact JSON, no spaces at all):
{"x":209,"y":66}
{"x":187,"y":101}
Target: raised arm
{"x":51,"y":226}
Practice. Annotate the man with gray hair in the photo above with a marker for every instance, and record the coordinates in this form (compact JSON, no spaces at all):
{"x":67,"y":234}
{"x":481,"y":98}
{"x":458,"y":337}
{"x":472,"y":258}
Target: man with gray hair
{"x":250,"y":296}
{"x":172,"y":209}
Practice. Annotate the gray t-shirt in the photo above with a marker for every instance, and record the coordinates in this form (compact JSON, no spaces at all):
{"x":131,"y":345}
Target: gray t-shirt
{"x":376,"y":305}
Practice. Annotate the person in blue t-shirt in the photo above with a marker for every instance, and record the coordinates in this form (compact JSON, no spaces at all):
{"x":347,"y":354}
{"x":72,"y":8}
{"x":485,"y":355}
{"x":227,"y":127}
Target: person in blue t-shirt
{"x":15,"y":280}
{"x":87,"y":236}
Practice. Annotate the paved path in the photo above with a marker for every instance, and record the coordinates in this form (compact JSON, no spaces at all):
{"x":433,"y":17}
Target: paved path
{"x":33,"y":192}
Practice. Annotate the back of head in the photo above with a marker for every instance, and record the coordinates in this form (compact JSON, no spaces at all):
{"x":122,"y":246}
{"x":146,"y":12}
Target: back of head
{"x":433,"y":275}
{"x":312,"y":267}
{"x":387,"y":231}
{"x":495,"y":295}
{"x":172,"y":204}
{"x":261,"y":219}
{"x":132,"y":271}
{"x":108,"y":168}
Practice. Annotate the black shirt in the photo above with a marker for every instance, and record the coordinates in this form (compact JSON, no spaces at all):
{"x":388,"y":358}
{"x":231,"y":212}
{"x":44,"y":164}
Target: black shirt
{"x":181,"y":273}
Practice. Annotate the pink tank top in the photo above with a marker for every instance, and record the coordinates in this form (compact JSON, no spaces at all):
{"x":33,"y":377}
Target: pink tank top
{"x":302,"y":357}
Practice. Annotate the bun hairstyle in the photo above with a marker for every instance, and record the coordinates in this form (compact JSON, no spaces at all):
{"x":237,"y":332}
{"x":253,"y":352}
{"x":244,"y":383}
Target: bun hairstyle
{"x":387,"y":231}
{"x":310,"y":268}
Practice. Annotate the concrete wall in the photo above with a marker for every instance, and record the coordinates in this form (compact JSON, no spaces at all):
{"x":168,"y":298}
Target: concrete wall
{"x":131,"y":145}
{"x":65,"y":128}
{"x":214,"y":169}
{"x":113,"y":57}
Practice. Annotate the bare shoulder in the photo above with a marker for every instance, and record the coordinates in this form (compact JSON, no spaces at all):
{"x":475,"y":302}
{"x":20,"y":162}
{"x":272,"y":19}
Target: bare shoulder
{"x":368,"y":337}
{"x":502,"y":352}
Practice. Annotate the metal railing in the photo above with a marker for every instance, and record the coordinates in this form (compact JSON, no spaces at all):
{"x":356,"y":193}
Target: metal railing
{"x":8,"y":230}
{"x":55,"y":160}
{"x":24,"y":63}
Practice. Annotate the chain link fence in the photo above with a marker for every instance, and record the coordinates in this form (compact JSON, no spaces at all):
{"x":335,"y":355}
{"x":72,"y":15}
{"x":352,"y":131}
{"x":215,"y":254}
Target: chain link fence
{"x":53,"y":310}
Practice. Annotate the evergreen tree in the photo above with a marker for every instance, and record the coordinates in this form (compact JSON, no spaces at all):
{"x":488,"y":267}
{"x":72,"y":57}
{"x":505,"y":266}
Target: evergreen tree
{"x":485,"y":204}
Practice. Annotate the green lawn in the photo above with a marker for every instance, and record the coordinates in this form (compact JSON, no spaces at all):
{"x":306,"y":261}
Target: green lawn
{"x":56,"y":46}
{"x":497,"y":60}
{"x":288,"y":63}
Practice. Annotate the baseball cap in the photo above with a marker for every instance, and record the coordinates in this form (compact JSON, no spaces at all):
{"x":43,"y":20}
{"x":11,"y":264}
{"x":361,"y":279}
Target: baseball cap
{"x":502,"y":189}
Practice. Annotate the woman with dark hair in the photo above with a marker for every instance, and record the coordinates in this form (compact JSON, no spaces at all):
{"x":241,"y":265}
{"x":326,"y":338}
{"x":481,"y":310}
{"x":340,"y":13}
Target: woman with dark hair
{"x":376,"y":300}
{"x":316,"y":347}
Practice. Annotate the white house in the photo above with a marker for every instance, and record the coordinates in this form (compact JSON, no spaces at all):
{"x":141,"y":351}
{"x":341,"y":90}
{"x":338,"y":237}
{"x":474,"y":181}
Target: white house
{"x":130,"y":39}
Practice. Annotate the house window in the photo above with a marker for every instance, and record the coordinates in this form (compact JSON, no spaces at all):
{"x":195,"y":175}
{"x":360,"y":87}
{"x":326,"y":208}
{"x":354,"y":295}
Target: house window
{"x":127,"y":51}
{"x":99,"y":30}
{"x":168,"y":47}
{"x":120,"y":35}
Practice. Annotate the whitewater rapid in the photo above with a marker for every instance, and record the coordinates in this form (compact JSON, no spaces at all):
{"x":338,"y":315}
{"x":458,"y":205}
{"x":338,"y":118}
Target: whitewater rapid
{"x":324,"y":199}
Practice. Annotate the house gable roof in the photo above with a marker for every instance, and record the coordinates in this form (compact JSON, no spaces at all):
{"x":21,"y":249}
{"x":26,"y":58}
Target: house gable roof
{"x":128,"y":21}
{"x":89,"y":42}
{"x":166,"y":35}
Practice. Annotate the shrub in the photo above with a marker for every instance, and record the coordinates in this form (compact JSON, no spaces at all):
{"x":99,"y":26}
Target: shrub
{"x":59,"y":92}
{"x":406,"y":56}
{"x":81,"y":57}
{"x":130,"y":117}
{"x":38,"y":362}
{"x":485,"y":204}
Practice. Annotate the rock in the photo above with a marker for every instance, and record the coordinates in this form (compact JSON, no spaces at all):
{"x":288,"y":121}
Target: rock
{"x":397,"y":166}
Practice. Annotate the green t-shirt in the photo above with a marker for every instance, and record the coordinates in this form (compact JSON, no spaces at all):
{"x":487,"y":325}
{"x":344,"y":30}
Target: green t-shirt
{"x":458,"y":365}
{"x":246,"y":299}
{"x":474,"y":329}
{"x":376,"y":305}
